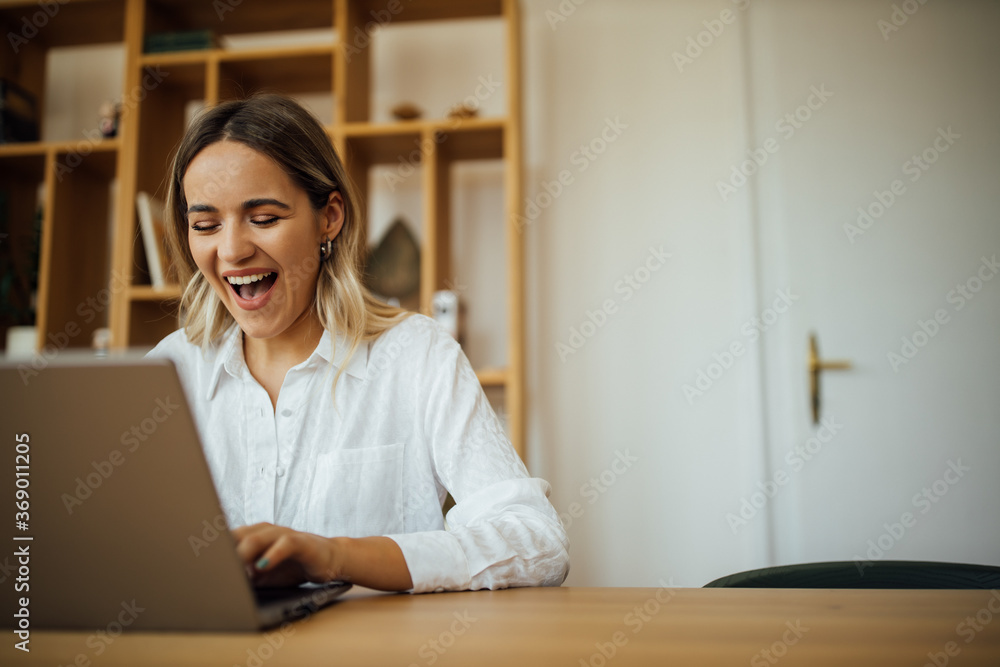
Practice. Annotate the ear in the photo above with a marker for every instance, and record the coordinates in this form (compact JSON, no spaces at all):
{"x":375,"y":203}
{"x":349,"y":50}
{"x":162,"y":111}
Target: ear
{"x":331,"y":217}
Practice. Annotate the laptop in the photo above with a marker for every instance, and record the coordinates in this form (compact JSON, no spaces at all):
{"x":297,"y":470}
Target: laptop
{"x":119,"y":523}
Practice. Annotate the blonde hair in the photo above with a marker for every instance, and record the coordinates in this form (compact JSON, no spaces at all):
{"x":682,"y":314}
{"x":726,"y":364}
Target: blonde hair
{"x":281,"y":129}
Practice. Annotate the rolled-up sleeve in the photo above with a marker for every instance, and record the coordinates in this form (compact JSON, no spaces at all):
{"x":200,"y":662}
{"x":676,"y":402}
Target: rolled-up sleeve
{"x":503,"y":531}
{"x":505,"y":535}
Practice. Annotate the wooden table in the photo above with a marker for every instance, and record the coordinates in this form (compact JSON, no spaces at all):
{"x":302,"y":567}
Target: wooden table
{"x":578,"y":627}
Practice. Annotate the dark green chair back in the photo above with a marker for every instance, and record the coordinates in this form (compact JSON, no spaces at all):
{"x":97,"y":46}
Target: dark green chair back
{"x":866,"y":574}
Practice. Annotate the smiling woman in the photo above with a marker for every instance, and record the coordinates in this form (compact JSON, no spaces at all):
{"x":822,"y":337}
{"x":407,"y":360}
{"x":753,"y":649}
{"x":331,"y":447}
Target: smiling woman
{"x":261,"y":215}
{"x":332,"y":475}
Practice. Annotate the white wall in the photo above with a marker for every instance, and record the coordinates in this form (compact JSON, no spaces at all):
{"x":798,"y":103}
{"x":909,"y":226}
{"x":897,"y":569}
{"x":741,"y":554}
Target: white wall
{"x":622,"y":391}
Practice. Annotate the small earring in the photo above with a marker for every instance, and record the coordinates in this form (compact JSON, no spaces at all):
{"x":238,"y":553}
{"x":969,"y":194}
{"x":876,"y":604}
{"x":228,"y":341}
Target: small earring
{"x":325,"y":250}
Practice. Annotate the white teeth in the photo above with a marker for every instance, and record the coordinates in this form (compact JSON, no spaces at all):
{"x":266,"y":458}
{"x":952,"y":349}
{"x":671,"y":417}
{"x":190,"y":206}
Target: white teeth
{"x":246,"y":280}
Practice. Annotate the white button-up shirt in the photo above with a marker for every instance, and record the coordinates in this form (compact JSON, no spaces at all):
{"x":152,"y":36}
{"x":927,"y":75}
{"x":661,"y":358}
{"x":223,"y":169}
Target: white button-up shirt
{"x":410,"y":424}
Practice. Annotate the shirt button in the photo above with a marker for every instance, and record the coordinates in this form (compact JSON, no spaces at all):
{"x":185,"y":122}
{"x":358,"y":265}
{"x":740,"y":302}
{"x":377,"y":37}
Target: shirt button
{"x":279,"y":471}
{"x":286,"y":413}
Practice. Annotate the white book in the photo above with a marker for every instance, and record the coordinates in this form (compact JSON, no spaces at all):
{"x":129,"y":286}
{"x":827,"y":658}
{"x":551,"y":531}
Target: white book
{"x":151,"y":215}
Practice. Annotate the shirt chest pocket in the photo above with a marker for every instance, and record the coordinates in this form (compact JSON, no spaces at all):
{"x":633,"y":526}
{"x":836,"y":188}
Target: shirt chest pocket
{"x":358,"y":492}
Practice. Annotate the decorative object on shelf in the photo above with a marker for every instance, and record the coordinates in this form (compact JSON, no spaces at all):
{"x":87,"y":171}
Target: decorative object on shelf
{"x":446,"y":309}
{"x":18,"y":114}
{"x":100,"y":342}
{"x":463,"y":111}
{"x":393,"y":267}
{"x":188,"y":40}
{"x":406,"y":111}
{"x":21,"y":342}
{"x":109,"y":115}
{"x":151,"y":223}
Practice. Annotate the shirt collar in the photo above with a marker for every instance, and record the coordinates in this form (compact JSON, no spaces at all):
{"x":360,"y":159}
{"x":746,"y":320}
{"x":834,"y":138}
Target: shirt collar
{"x":356,"y":367}
{"x":230,"y":357}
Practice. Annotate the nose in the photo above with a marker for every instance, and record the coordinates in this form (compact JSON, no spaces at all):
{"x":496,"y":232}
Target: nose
{"x":235,"y":244}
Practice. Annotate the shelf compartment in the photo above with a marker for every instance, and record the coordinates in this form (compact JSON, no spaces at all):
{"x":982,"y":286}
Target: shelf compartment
{"x":473,"y":140}
{"x":18,"y":167}
{"x":69,"y":24}
{"x":290,"y":71}
{"x":75,"y":289}
{"x":185,"y":74}
{"x":151,"y":321}
{"x":383,"y":144}
{"x":459,"y":139}
{"x":248,"y":16}
{"x":163,"y":118}
{"x":21,"y":176}
{"x":70,"y":155}
{"x":431,"y":10}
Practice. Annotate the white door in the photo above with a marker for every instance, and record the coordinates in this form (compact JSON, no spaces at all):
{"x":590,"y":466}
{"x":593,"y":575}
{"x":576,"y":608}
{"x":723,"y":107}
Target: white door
{"x":875,"y":136}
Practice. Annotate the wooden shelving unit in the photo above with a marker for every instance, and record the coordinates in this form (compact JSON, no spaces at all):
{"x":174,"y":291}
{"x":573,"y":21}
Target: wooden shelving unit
{"x":81,"y":258}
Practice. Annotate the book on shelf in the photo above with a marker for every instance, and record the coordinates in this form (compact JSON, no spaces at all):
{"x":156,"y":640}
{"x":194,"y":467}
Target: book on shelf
{"x":151,"y":224}
{"x":187,"y":40}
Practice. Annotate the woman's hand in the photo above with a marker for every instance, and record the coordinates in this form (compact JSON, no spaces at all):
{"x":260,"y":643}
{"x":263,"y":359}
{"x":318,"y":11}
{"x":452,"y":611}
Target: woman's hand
{"x":279,"y":556}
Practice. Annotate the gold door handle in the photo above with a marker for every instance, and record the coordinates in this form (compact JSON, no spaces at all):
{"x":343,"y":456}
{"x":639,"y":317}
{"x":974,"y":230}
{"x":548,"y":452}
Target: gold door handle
{"x":817,"y":366}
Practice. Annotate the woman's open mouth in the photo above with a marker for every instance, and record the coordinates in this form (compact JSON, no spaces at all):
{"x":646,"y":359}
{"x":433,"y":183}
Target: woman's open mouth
{"x":253,"y":291}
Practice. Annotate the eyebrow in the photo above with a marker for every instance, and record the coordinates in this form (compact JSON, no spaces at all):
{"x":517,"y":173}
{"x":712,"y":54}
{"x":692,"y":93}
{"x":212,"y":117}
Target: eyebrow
{"x":254,"y":203}
{"x":248,"y":204}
